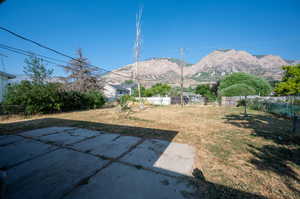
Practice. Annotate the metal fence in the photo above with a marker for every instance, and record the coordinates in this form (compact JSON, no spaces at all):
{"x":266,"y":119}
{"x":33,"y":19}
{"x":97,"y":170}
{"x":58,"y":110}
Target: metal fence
{"x":287,"y":108}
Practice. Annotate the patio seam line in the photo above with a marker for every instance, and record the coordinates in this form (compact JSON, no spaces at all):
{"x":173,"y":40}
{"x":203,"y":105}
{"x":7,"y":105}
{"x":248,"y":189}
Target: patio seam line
{"x":52,"y":133}
{"x":111,"y":161}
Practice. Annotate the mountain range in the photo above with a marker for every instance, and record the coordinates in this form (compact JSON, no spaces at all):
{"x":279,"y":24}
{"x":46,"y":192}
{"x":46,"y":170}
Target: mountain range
{"x":210,"y":68}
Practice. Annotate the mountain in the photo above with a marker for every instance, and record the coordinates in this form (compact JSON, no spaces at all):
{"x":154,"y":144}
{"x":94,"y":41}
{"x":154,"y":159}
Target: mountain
{"x":151,"y":71}
{"x":220,"y":63}
{"x":210,"y":68}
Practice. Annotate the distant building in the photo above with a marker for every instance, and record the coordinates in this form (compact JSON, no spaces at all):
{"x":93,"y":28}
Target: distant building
{"x":4,"y":78}
{"x":112,"y":92}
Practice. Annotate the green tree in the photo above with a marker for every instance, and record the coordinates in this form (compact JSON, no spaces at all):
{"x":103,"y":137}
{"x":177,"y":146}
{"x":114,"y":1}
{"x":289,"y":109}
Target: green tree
{"x":290,"y":84}
{"x":160,"y":89}
{"x":136,"y":93}
{"x":238,"y":90}
{"x":206,"y":91}
{"x":261,"y":86}
{"x":130,"y":81}
{"x":36,"y":70}
{"x":157,"y":89}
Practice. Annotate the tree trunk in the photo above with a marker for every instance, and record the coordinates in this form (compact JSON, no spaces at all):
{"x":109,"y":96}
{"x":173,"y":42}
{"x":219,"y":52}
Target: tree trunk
{"x":245,"y":111}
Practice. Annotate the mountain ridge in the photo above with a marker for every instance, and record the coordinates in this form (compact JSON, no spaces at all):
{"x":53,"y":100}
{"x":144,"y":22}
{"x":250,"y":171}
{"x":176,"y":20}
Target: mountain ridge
{"x":211,"y":67}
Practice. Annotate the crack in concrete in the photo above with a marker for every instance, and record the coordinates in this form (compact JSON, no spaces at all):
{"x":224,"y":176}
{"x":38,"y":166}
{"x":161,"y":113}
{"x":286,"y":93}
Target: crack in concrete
{"x":29,"y":159}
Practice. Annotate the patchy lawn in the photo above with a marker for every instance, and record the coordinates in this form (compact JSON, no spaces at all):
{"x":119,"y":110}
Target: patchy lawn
{"x":238,"y":157}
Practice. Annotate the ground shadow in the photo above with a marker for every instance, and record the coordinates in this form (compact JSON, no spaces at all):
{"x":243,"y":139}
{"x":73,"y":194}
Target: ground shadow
{"x":266,"y":126}
{"x":202,"y":188}
{"x":211,"y":190}
{"x":277,"y":157}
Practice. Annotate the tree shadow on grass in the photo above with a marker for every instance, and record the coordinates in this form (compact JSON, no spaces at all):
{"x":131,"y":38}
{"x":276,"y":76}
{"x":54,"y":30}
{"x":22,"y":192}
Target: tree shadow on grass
{"x":266,"y":126}
{"x":278,"y":160}
{"x":283,"y":156}
{"x":211,"y":190}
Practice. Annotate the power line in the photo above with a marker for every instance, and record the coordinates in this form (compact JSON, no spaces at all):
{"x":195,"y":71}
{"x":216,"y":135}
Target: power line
{"x":55,"y":51}
{"x":65,"y":55}
{"x":36,"y":43}
{"x":51,"y":62}
{"x":30,"y":52}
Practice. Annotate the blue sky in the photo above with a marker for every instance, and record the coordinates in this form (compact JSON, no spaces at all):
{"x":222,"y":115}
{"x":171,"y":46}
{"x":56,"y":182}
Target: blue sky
{"x":105,"y":30}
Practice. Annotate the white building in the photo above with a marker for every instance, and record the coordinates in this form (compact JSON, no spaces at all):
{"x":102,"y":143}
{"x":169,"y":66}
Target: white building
{"x":4,"y":78}
{"x":112,"y":92}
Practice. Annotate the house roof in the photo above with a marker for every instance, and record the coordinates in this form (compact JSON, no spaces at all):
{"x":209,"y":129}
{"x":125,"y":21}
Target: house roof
{"x":7,"y":75}
{"x":118,"y":87}
{"x":130,"y":85}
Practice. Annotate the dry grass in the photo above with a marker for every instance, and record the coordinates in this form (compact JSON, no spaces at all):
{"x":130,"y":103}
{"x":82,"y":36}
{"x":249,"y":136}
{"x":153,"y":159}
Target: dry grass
{"x":238,"y":157}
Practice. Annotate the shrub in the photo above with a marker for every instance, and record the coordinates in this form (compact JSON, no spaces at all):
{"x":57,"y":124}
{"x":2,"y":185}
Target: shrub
{"x":35,"y":98}
{"x":206,"y":91}
{"x":261,"y":86}
{"x":72,"y":100}
{"x":124,"y":99}
{"x":237,"y":90}
{"x":95,"y":99}
{"x":48,"y":98}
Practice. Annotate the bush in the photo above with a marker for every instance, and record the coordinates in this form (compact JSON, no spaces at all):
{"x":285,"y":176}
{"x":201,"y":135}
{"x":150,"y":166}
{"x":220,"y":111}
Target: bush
{"x":206,"y":91}
{"x":124,"y":99}
{"x":72,"y":100}
{"x":48,"y":98}
{"x":95,"y":99}
{"x":156,"y":90}
{"x":35,"y":98}
{"x":237,"y":90}
{"x":261,"y":86}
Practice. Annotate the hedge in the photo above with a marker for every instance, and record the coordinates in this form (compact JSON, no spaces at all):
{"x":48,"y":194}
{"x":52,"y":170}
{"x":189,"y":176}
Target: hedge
{"x":48,"y":98}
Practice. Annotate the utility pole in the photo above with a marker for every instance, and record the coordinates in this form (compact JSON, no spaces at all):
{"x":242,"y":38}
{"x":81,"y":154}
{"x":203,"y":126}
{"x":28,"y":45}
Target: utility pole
{"x":3,"y":69}
{"x":181,"y":79}
{"x":137,"y":51}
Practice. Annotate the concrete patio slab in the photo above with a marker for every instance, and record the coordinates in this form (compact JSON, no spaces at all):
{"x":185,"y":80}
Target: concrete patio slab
{"x":62,"y":138}
{"x":3,"y":136}
{"x":8,"y":139}
{"x":84,"y":132}
{"x":20,"y":151}
{"x":41,"y":166}
{"x":169,"y":157}
{"x":108,"y":145}
{"x":126,"y":182}
{"x":52,"y":175}
{"x":45,"y":131}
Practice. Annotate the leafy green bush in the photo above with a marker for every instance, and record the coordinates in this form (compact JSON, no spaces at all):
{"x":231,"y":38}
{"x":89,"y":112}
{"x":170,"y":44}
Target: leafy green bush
{"x":261,"y":86}
{"x":157,"y":89}
{"x":206,"y":91}
{"x":237,"y":90}
{"x":95,"y":99}
{"x":124,"y":100}
{"x":72,"y":100}
{"x":48,"y":98}
{"x":35,"y":98}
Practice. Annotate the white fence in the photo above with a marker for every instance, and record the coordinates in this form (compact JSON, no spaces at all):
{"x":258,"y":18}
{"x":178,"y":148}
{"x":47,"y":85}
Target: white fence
{"x":158,"y":100}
